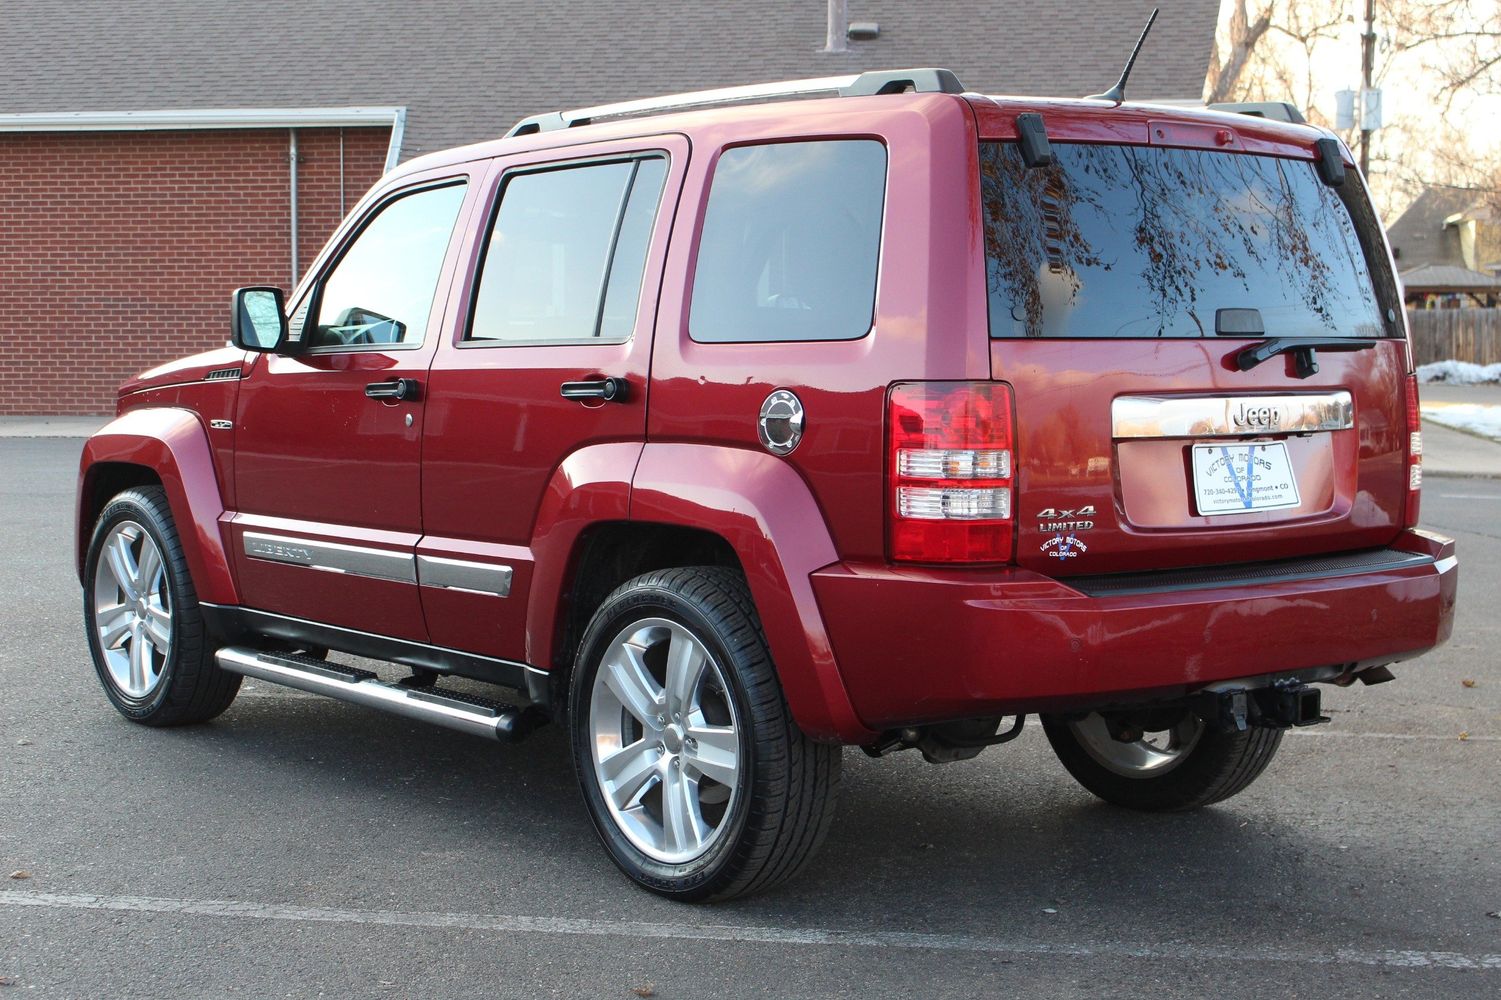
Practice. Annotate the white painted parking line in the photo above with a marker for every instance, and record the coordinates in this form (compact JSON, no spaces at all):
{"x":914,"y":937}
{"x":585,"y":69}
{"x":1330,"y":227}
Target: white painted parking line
{"x":1467,"y":496}
{"x":795,"y":937}
{"x":1439,"y":737}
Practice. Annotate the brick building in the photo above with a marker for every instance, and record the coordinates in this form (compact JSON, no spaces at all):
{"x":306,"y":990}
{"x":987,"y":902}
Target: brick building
{"x":147,"y":162}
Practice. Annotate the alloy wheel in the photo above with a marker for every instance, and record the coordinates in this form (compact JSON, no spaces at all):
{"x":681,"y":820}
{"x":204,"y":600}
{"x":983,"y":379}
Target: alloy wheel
{"x":132,"y":609}
{"x":1150,"y":755}
{"x":665,"y":740}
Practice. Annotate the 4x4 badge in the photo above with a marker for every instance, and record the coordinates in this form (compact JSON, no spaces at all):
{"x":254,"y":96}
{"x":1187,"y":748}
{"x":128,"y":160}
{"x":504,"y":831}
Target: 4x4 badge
{"x":1066,"y":518}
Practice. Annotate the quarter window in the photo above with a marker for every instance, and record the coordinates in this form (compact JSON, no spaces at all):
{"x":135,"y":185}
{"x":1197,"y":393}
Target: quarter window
{"x":381,"y":290}
{"x":791,"y":239}
{"x":566,"y":254}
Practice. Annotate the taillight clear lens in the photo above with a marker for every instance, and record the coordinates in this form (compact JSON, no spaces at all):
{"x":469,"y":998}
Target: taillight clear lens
{"x":951,"y":471}
{"x":1414,"y":453}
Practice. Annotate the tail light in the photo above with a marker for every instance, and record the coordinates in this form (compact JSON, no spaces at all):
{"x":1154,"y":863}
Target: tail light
{"x":951,"y":472}
{"x":1414,"y":453}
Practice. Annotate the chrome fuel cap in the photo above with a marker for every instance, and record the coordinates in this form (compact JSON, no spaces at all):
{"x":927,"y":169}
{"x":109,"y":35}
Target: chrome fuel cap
{"x":780,"y":425}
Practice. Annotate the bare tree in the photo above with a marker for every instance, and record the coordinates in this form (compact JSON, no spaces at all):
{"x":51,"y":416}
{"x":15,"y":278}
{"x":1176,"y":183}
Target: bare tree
{"x":1460,"y":40}
{"x":1269,"y":50}
{"x":1226,"y":69}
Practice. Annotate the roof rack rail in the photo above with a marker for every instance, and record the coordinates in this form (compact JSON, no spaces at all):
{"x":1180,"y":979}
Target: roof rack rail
{"x":886,"y":81}
{"x":1277,"y":111}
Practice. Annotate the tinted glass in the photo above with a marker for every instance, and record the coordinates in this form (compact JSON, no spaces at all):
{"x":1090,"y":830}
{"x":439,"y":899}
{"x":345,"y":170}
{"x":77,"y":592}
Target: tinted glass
{"x":1135,"y":241}
{"x":623,"y":288}
{"x":790,"y":243}
{"x":546,"y":264}
{"x":381,"y":290}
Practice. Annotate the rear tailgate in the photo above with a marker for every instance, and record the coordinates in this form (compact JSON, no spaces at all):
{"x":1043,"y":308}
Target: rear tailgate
{"x":1125,"y":281}
{"x":1097,"y":496}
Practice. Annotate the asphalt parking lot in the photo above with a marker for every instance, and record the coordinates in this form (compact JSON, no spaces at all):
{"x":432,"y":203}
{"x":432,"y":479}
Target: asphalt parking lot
{"x":305,"y":848}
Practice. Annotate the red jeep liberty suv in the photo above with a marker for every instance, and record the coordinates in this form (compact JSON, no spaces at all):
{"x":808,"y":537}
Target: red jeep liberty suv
{"x":729,"y":428}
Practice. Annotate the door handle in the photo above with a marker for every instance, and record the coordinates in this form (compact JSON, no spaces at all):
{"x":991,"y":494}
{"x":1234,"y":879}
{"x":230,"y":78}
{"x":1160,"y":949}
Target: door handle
{"x":611,"y":390}
{"x":396,"y":389}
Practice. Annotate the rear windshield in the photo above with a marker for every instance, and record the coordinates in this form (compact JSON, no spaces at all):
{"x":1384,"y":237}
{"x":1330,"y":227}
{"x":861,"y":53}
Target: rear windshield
{"x":1142,"y":241}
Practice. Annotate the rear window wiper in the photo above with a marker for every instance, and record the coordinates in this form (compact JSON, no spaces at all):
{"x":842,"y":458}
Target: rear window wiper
{"x":1305,"y":358}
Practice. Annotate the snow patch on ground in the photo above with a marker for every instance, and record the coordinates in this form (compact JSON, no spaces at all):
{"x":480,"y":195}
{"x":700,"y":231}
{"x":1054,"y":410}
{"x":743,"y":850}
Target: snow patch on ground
{"x":1459,"y":373}
{"x":1471,"y":417}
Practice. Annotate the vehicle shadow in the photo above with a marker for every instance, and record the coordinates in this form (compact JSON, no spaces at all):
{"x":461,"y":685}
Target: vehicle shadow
{"x":980,"y":847}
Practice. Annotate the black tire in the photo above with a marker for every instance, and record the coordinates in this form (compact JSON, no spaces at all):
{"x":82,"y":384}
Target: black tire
{"x":1220,"y":764}
{"x":192,"y":687}
{"x":787,"y":785}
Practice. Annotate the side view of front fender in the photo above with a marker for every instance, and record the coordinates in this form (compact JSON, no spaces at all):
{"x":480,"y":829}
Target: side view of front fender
{"x":172,"y":446}
{"x":763,"y":508}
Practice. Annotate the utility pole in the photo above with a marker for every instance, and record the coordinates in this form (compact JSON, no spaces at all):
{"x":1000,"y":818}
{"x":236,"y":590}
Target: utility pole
{"x":1367,"y":67}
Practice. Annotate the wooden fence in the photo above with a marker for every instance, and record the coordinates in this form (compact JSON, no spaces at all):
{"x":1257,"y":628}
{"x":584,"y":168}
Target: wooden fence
{"x":1462,"y":334}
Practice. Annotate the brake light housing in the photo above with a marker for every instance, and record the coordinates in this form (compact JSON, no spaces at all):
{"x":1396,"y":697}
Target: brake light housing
{"x":1414,"y":443}
{"x":951,"y":472}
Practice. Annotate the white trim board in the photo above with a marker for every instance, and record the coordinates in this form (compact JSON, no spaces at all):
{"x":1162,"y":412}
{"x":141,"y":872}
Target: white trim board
{"x":214,"y":118}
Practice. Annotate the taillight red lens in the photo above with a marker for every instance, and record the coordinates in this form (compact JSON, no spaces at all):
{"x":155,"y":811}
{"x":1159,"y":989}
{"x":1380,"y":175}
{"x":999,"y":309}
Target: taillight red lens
{"x":1414,"y":453}
{"x":951,"y":472}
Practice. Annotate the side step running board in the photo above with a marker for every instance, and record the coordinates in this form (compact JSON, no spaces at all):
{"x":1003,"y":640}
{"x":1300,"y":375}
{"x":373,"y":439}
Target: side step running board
{"x":451,"y":709}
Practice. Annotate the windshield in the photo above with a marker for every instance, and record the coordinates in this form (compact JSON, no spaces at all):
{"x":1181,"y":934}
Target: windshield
{"x":1143,"y":241}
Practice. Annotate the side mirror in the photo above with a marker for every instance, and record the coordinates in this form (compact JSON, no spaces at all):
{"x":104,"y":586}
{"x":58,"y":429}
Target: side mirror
{"x":258,"y":320}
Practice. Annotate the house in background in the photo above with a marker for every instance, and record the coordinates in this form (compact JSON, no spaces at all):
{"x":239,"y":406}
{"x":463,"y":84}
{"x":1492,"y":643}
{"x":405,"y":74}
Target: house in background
{"x":1448,"y":249}
{"x":156,"y":154}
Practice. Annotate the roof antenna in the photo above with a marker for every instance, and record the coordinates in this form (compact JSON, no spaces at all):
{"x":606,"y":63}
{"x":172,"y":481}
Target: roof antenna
{"x":1117,"y":94}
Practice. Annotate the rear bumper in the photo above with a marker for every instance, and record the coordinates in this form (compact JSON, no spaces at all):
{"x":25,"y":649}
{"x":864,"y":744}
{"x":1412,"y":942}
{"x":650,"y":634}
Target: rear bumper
{"x":927,"y":645}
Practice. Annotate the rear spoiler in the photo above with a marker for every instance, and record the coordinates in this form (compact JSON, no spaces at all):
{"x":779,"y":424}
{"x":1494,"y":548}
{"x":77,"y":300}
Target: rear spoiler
{"x":1277,"y":111}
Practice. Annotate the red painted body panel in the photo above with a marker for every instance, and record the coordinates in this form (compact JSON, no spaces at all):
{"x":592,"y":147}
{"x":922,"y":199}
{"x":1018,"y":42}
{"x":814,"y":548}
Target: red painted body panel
{"x":591,"y":487}
{"x":931,"y":316}
{"x":174,"y":443}
{"x":326,"y":461}
{"x":181,"y":383}
{"x":1091,"y":121}
{"x":764,"y":510}
{"x":1011,"y":640}
{"x":502,"y":448}
{"x":1142,"y":489}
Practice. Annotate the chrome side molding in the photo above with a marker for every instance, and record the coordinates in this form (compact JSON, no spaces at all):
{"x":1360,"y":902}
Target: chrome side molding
{"x":356,"y":560}
{"x":1230,"y":416}
{"x":491,"y":579}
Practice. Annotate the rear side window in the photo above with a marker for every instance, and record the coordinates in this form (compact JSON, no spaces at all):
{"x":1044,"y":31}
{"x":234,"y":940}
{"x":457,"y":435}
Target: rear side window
{"x":790,"y":243}
{"x":1142,"y":241}
{"x":566,"y":254}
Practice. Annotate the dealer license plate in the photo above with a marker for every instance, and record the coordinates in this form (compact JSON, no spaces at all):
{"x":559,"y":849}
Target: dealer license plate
{"x":1241,"y":478}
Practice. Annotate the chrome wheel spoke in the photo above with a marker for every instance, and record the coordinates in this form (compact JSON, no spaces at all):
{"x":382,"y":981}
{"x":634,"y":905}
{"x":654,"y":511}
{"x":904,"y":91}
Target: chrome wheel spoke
{"x":114,"y":625}
{"x":627,"y":678}
{"x":158,"y":625}
{"x":140,"y":658}
{"x":713,"y":751}
{"x":627,"y":772}
{"x":122,"y":565}
{"x":683,"y":820}
{"x":685,"y":668}
{"x":148,"y":568}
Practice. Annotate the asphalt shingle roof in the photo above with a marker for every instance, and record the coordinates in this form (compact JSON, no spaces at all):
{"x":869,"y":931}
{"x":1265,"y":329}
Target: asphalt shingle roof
{"x":467,"y":71}
{"x":1419,"y":236}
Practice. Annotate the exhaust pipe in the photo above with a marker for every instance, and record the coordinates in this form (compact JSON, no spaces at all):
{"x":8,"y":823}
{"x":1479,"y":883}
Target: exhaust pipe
{"x":450,"y":709}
